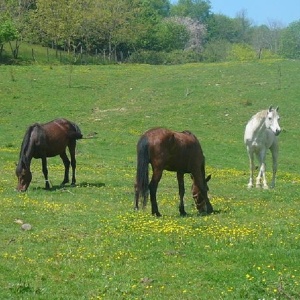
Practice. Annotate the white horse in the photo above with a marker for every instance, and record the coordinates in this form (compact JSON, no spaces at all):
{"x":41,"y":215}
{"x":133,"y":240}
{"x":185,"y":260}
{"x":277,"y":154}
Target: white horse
{"x":260,"y":135}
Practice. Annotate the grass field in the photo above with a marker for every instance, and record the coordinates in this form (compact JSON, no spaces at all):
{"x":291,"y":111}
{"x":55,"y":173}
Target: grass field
{"x":87,"y":242}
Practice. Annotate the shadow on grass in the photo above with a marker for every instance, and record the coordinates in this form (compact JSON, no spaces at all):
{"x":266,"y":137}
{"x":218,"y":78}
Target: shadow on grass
{"x":67,"y":187}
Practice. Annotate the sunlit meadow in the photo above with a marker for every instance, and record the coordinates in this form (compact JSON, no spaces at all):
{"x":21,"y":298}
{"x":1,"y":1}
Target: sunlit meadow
{"x":87,"y":242}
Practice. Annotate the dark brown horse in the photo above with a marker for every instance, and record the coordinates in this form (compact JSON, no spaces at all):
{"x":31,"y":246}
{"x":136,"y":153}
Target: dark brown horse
{"x":47,"y":140}
{"x":172,"y":151}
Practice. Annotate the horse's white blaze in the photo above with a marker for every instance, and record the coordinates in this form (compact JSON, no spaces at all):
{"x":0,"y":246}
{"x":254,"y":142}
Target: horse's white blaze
{"x":260,"y":135}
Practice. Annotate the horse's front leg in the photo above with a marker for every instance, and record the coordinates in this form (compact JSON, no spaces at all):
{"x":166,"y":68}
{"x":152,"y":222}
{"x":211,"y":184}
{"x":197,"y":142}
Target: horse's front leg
{"x":156,"y":176}
{"x":262,"y":172}
{"x":66,"y":163}
{"x":136,"y":196}
{"x":45,"y":172}
{"x":180,"y":179}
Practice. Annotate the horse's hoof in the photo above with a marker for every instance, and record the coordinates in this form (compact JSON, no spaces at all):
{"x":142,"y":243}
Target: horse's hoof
{"x":203,"y":213}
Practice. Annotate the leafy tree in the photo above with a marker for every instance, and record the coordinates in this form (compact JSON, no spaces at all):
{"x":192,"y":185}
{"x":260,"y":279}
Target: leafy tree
{"x":266,"y":38}
{"x":58,"y":21}
{"x":196,"y":32}
{"x":14,"y":21}
{"x":170,"y":36}
{"x":221,"y":27}
{"x":195,"y":9}
{"x":243,"y":24}
{"x":8,"y":33}
{"x":290,"y":42}
{"x":111,"y":20}
{"x":145,"y":24}
{"x":234,"y":30}
{"x":162,"y":7}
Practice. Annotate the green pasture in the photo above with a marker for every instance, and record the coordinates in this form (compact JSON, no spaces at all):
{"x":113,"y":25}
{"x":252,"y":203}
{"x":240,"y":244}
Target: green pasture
{"x":87,"y":242}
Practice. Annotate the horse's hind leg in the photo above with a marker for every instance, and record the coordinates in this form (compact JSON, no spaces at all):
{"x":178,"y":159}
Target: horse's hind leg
{"x":156,"y":176}
{"x":45,"y":172}
{"x":66,"y":162}
{"x":180,"y":179}
{"x":72,"y":147}
{"x":251,"y":162}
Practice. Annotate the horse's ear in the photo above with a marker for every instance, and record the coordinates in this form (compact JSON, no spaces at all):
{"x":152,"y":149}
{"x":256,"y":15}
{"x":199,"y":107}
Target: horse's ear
{"x":207,"y":179}
{"x":270,"y":108}
{"x":277,"y":108}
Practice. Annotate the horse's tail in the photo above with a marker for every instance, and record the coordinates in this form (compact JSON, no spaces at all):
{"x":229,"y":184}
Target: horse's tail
{"x":142,"y":171}
{"x":77,"y":135}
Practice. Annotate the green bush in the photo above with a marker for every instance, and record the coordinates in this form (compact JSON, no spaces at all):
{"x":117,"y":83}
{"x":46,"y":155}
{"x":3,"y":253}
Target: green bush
{"x":242,"y":52}
{"x":171,"y":58}
{"x":216,"y":51}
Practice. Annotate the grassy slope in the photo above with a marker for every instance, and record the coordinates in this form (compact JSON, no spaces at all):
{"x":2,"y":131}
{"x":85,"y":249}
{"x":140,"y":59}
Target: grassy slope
{"x":88,"y":243}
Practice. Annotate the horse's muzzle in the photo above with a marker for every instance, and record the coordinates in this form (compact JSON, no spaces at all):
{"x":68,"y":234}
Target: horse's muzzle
{"x":277,"y":132}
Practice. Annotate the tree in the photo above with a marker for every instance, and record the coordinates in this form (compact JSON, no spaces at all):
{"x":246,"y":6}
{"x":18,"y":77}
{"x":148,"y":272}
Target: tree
{"x":234,"y":30}
{"x":14,"y":22}
{"x":196,"y":32}
{"x":8,"y":33}
{"x":170,"y":35}
{"x":196,"y":9}
{"x":221,"y":27}
{"x":266,"y":37}
{"x":290,"y":41}
{"x":58,"y":21}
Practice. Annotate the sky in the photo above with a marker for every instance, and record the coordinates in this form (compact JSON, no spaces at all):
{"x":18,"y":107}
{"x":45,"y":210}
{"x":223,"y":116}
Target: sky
{"x":260,"y":11}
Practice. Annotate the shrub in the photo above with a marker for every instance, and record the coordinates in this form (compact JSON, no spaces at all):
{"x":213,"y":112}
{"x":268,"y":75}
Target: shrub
{"x":216,"y":51}
{"x":242,"y":52}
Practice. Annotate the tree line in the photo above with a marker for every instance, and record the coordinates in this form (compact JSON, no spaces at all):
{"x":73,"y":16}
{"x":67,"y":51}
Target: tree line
{"x":143,"y":30}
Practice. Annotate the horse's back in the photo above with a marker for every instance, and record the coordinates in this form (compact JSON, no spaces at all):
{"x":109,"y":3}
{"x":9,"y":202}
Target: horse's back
{"x":174,"y":151}
{"x":62,"y":129}
{"x":52,"y":138}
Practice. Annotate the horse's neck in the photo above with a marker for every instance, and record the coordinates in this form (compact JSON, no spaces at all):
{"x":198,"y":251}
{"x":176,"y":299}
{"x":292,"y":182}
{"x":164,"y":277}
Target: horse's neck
{"x":258,"y":126}
{"x":255,"y":129}
{"x":261,"y":125}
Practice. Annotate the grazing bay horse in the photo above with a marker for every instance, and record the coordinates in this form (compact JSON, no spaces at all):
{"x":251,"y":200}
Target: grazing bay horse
{"x":47,"y":140}
{"x":172,"y":151}
{"x":260,"y":135}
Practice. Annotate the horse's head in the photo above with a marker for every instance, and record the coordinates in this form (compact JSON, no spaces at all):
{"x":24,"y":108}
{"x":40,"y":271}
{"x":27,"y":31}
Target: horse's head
{"x":24,"y":177}
{"x":201,"y":198}
{"x":272,"y":120}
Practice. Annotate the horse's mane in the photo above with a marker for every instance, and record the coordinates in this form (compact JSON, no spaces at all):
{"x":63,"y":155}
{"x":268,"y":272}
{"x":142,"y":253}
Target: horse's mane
{"x":260,"y":115}
{"x":25,"y":144}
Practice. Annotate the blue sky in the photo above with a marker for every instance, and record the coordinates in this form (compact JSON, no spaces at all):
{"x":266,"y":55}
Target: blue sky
{"x":259,"y":11}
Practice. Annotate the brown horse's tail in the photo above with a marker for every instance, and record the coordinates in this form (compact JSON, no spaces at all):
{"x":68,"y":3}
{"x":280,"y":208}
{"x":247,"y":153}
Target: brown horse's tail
{"x":77,"y":135}
{"x":142,"y":171}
